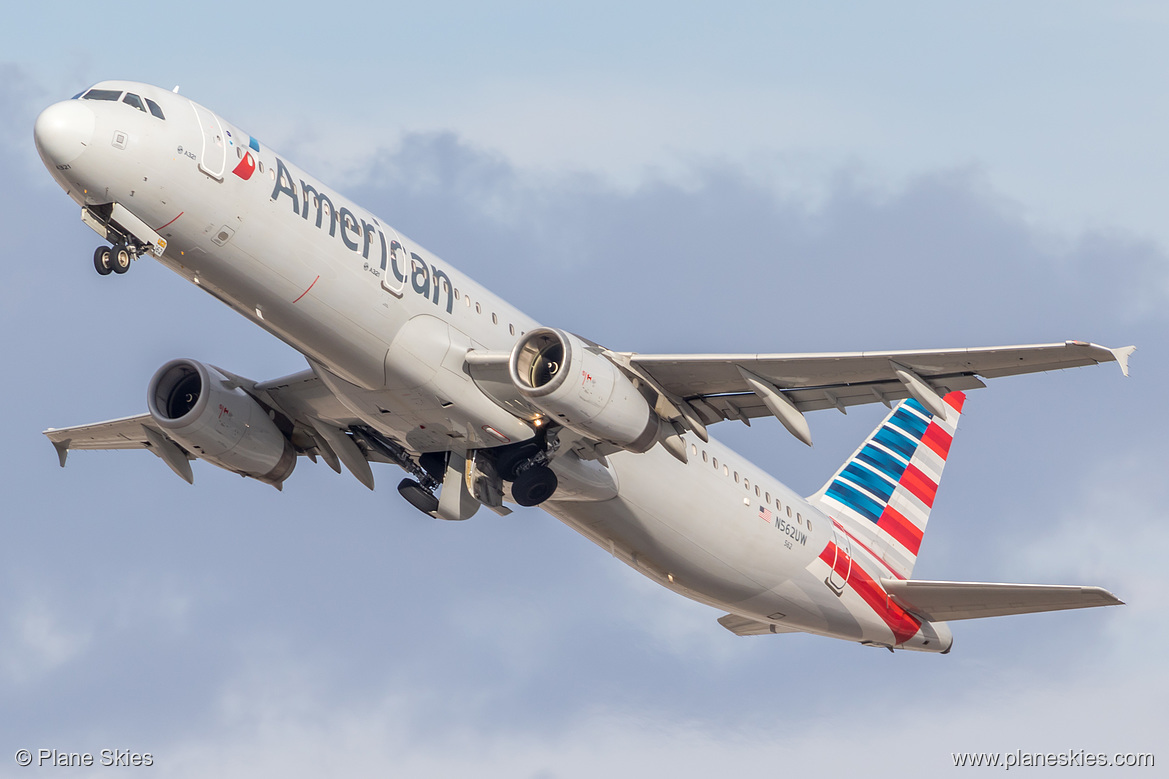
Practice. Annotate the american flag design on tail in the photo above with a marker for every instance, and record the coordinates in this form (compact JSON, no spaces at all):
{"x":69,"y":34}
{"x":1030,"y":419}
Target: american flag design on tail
{"x":883,"y":493}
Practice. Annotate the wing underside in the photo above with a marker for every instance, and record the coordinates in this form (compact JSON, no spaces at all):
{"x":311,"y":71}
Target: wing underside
{"x":719,"y":387}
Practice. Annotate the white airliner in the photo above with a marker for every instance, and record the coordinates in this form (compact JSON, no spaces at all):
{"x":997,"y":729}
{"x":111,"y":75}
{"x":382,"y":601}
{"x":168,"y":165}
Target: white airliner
{"x":414,"y":364}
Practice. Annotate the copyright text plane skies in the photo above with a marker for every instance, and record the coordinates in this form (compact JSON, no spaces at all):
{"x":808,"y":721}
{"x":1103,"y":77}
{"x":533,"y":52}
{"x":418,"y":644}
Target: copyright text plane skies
{"x":412,"y":363}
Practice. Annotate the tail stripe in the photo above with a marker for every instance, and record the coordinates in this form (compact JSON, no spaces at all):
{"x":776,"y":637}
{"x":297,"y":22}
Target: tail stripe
{"x":897,"y":441}
{"x":883,"y":460}
{"x":901,"y":529}
{"x":922,"y":487}
{"x":938,"y":440}
{"x":885,"y":491}
{"x":855,"y":500}
{"x":863,"y":476}
{"x":912,"y":424}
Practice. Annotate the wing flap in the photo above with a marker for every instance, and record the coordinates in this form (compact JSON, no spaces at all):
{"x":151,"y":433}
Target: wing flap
{"x":943,"y":601}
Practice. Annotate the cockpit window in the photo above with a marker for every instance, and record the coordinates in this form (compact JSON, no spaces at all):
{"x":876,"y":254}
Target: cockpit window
{"x":134,"y":100}
{"x":101,"y":94}
{"x":154,"y":109}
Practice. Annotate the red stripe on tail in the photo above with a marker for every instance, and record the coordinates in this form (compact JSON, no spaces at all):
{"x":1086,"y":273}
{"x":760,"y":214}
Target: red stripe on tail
{"x":920,"y":485}
{"x":896,"y":525}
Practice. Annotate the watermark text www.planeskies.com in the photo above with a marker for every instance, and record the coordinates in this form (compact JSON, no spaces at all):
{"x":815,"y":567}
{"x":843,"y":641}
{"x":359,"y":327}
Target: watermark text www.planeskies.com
{"x":1069,"y":759}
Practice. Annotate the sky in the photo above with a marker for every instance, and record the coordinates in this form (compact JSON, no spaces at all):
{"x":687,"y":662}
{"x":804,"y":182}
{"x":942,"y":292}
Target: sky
{"x":757,"y":177}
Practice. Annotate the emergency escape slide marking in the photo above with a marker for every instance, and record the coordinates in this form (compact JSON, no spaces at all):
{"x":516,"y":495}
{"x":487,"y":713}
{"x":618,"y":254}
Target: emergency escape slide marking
{"x":901,"y":623}
{"x":310,"y":286}
{"x":168,"y":224}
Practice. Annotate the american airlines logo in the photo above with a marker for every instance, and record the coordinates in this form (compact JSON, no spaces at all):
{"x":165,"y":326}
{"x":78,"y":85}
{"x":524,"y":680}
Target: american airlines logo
{"x":358,"y":235}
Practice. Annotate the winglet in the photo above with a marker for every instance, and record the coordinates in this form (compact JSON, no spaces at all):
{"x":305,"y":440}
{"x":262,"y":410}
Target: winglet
{"x":1122,"y":354}
{"x":62,"y":448}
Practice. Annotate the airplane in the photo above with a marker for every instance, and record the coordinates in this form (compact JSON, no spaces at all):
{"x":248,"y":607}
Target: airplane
{"x":412,"y":363}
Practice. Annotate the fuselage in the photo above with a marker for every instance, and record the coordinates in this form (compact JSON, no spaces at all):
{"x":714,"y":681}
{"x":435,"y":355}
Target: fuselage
{"x":386,"y":326}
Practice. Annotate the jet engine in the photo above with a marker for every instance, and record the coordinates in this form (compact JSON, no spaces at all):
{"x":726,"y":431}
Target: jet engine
{"x":211,"y":417}
{"x":581,"y":389}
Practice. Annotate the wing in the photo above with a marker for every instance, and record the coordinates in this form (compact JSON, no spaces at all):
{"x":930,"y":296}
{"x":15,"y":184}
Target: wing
{"x":314,"y":421}
{"x":973,"y":600}
{"x":707,"y":388}
{"x":304,"y":410}
{"x":138,"y":432}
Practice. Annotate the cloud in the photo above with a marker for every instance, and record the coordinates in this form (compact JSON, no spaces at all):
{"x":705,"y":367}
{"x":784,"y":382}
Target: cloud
{"x":941,"y":258}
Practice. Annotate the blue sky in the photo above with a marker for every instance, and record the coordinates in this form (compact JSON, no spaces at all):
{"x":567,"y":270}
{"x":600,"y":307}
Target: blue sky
{"x":656,"y":177}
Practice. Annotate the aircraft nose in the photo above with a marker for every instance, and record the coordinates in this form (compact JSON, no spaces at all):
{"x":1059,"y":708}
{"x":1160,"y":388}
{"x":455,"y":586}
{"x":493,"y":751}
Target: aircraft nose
{"x":63,"y":131}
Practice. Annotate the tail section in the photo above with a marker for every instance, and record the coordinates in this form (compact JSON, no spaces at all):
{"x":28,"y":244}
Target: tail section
{"x":884,"y":492}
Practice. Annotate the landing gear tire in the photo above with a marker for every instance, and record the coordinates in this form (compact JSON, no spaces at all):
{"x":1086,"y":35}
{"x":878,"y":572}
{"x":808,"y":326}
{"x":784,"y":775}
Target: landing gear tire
{"x":102,"y":261}
{"x":120,"y":258}
{"x":418,"y":497}
{"x":534,"y":486}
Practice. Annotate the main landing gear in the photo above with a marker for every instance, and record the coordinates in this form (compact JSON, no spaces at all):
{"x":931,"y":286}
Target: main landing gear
{"x":115,"y":259}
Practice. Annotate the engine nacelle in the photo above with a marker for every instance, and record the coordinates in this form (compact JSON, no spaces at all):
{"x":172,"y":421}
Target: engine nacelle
{"x":581,"y":389}
{"x":217,"y":421}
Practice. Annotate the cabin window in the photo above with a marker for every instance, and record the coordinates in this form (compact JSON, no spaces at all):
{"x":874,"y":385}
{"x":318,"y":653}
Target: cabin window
{"x":746,"y":483}
{"x":703,"y":455}
{"x":456,"y":293}
{"x":239,"y":150}
{"x":133,"y":100}
{"x":715,"y":461}
{"x":768,"y":498}
{"x":789,"y":512}
{"x":261,"y":168}
{"x":511,"y":329}
{"x":778,"y":505}
{"x":467,"y":300}
{"x":478,"y":309}
{"x":102,"y":94}
{"x":154,"y":109}
{"x":693,"y":449}
{"x":756,"y":490}
{"x":799,"y":519}
{"x":809,"y":525}
{"x":736,"y":477}
{"x":494,"y":318}
{"x":726,"y":471}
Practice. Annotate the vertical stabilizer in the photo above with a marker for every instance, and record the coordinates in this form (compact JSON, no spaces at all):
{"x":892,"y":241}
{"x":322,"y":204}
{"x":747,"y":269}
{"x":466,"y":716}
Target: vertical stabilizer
{"x":884,"y":492}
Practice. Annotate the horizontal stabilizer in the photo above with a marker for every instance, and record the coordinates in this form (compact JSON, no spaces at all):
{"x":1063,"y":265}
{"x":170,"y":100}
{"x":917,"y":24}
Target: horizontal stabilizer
{"x":745,"y":626}
{"x":940,"y":601}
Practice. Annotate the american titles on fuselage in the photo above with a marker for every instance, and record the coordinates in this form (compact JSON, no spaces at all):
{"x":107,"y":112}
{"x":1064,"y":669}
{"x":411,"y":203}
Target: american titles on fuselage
{"x":358,"y":235}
